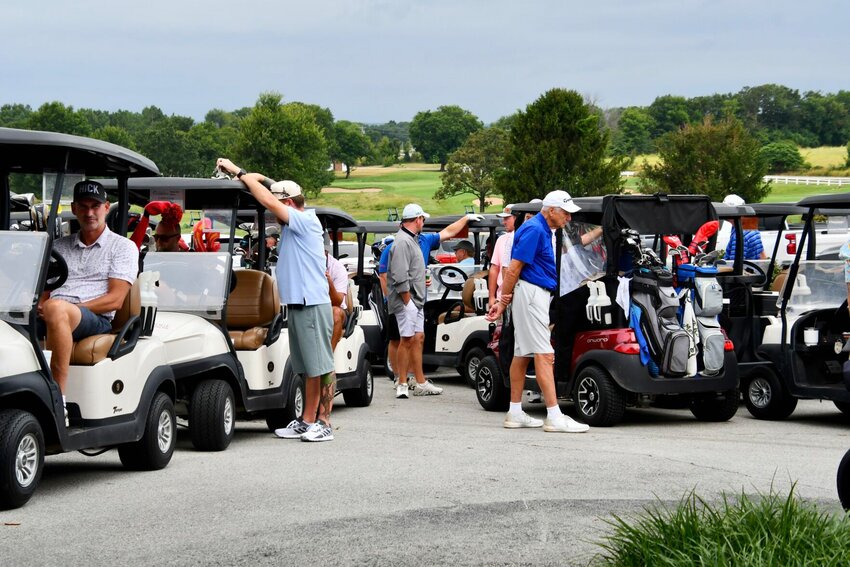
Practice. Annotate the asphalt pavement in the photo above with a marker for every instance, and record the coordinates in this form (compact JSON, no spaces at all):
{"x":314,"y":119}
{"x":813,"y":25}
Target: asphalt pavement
{"x":424,"y":481}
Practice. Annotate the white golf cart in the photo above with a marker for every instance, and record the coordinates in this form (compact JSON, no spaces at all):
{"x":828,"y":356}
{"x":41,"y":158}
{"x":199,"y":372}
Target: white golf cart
{"x":120,"y":390}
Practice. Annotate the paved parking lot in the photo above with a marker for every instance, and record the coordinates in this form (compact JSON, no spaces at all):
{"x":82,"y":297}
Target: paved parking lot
{"x":432,"y":480}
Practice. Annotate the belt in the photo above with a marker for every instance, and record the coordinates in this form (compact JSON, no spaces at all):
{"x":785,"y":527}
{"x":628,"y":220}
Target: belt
{"x":295,"y":306}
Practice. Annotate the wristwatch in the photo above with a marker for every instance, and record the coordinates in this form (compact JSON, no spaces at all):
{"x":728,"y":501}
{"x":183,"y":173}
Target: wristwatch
{"x":240,"y":173}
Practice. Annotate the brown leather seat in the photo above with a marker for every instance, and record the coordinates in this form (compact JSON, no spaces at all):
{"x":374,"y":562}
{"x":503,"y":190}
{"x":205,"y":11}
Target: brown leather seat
{"x":251,"y":307}
{"x":779,"y":280}
{"x":93,"y":349}
{"x":467,"y":296}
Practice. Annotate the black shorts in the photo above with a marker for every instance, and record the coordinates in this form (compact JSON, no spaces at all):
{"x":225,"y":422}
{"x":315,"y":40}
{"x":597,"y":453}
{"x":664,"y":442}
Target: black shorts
{"x":392,"y":328}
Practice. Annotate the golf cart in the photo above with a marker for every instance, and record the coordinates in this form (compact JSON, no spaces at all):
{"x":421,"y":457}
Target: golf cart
{"x":120,"y":390}
{"x":803,"y":346}
{"x":610,"y":355}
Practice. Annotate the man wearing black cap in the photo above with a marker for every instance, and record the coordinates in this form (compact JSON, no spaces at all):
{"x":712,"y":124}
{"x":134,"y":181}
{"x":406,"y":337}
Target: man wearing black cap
{"x":102,"y":267}
{"x":464,"y":252}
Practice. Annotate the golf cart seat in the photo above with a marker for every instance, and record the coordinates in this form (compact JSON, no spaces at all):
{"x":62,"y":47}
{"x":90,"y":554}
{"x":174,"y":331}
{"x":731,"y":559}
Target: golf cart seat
{"x":352,"y":312}
{"x":779,"y":281}
{"x":254,"y":317}
{"x":126,"y":326}
{"x":466,"y":306}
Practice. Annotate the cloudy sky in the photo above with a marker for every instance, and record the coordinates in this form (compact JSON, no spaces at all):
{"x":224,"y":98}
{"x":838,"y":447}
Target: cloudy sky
{"x":381,"y":60}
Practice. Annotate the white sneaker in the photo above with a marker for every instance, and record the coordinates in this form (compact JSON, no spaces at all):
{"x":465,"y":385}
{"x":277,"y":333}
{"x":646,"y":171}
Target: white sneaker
{"x":518,"y":421}
{"x":318,"y":431}
{"x":426,"y":388}
{"x":401,"y":391}
{"x":564,"y":424}
{"x":294,"y":430}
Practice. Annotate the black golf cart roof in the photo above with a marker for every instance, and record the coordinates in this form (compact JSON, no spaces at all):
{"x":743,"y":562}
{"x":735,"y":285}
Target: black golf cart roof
{"x":438,"y":223}
{"x":31,"y":151}
{"x":777,"y":209}
{"x":198,"y":193}
{"x":657,"y":214}
{"x":725,"y":211}
{"x":836,"y":201}
{"x":373,"y":227}
{"x":591,"y":209}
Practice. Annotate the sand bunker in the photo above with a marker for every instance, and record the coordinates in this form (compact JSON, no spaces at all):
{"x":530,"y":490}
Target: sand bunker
{"x":341,"y":190}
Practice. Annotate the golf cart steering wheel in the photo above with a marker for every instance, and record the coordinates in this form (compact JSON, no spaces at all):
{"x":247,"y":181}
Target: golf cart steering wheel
{"x":452,"y":274}
{"x":57,"y":271}
{"x":750,"y":268}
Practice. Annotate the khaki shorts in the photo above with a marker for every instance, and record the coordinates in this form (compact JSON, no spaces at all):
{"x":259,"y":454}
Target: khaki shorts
{"x":530,"y":309}
{"x":310,"y":328}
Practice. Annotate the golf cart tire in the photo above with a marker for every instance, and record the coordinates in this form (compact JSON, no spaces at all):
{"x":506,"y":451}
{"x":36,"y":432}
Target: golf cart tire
{"x":843,"y":481}
{"x":716,"y":409}
{"x":212,"y":413}
{"x":294,"y":409}
{"x":599,"y":401}
{"x":843,"y":407}
{"x":361,"y":396}
{"x":766,"y":397}
{"x":490,"y":388}
{"x":21,"y":457}
{"x":154,"y":450}
{"x":471,"y":361}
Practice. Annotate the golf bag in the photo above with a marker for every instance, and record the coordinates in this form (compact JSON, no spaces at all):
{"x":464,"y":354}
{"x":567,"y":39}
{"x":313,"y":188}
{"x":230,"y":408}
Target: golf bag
{"x":708,"y":302}
{"x":658,"y":301}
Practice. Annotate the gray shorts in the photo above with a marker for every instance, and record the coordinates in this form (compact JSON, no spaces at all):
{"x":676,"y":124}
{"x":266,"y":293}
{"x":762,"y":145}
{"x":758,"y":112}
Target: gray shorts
{"x":530,"y":309}
{"x":310,"y":329}
{"x":411,"y":320}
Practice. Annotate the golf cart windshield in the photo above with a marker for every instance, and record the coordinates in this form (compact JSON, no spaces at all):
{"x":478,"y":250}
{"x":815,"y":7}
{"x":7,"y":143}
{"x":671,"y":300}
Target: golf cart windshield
{"x":819,"y":285}
{"x":191,"y":282}
{"x":21,"y":255}
{"x":579,"y":261}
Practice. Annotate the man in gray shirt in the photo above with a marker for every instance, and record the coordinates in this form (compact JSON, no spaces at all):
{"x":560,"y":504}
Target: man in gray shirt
{"x":406,"y":299}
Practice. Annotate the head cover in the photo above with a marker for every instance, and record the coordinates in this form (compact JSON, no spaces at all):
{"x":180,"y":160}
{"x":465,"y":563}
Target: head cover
{"x":464,"y":245}
{"x":562,"y":200}
{"x":413,"y":211}
{"x":733,"y":201}
{"x":506,"y":212}
{"x":536,"y":201}
{"x":285,"y":189}
{"x":88,"y":189}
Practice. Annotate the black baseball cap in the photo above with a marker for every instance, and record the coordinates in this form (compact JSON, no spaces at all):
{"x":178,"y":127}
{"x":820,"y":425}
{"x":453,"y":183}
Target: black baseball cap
{"x":464,"y":245}
{"x":88,"y":189}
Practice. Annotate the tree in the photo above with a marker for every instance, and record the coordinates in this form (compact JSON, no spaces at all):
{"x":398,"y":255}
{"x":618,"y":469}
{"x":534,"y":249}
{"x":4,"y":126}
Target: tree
{"x":556,"y":143}
{"x":283,"y":142}
{"x":474,"y":167}
{"x":15,"y":115}
{"x":782,"y":156}
{"x":634,"y":133}
{"x":56,"y":117}
{"x":668,"y":113}
{"x":351,"y":144}
{"x":713,"y":159}
{"x":437,"y":134}
{"x":115,"y":135}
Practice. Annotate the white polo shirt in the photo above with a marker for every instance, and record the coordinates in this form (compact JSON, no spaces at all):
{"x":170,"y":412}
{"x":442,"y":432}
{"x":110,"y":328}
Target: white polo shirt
{"x":339,"y":276}
{"x":91,"y":267}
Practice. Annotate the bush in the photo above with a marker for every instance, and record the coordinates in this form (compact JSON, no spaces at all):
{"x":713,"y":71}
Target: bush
{"x":766,"y":530}
{"x":782,"y":156}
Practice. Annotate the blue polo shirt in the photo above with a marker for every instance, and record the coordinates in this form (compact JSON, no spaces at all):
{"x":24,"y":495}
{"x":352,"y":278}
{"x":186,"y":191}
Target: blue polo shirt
{"x":753,"y":246}
{"x":300,"y":267}
{"x":428,"y":241}
{"x":533,"y":246}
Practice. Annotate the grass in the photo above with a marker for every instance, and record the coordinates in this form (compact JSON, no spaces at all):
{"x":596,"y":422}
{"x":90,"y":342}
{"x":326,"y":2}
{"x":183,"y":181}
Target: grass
{"x":826,"y":157}
{"x":743,"y":531}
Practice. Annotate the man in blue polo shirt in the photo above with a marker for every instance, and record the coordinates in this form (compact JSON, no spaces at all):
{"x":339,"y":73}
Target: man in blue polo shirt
{"x":530,"y":280}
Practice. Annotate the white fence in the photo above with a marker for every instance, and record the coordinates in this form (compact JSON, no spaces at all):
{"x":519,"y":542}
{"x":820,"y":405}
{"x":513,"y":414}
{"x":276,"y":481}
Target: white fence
{"x":792,"y":180}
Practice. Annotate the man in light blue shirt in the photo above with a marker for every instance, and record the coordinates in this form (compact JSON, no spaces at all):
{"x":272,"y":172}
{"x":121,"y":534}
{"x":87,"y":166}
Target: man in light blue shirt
{"x":303,"y":287}
{"x":464,"y":252}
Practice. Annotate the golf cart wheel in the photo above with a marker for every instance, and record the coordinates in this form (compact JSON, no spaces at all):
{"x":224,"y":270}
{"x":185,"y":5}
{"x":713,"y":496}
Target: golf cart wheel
{"x":153,"y":451}
{"x":212,"y":415}
{"x":294,"y":409}
{"x":361,"y":396}
{"x":388,"y":367}
{"x":766,"y":397}
{"x":844,"y":407}
{"x":471,"y":362}
{"x":843,"y":481}
{"x":717,"y":409}
{"x":490,"y":388}
{"x":21,"y":457}
{"x":599,"y":401}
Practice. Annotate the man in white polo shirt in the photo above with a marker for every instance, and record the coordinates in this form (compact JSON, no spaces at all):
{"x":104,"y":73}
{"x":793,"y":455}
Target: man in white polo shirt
{"x":102,"y":267}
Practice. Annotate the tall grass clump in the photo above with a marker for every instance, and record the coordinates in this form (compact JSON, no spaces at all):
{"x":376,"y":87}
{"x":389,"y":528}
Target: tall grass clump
{"x":742,"y":531}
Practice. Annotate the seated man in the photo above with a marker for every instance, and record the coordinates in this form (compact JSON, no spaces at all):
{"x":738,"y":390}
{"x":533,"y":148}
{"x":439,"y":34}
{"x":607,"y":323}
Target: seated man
{"x":102,"y":267}
{"x":338,"y":289}
{"x":464,"y":252}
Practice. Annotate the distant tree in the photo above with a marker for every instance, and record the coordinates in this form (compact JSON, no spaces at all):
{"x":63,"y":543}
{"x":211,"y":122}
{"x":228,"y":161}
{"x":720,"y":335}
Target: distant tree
{"x":56,"y":117}
{"x":208,"y":143}
{"x":782,"y":156}
{"x":115,"y":135}
{"x":283,"y":142}
{"x":556,"y":143}
{"x":395,"y":131}
{"x":711,"y":158}
{"x":386,"y":152}
{"x":222,"y":118}
{"x":474,"y":167}
{"x":505,"y":122}
{"x":847,"y":161}
{"x":351,"y":144}
{"x":170,"y":148}
{"x":15,"y":115}
{"x":324,"y":118}
{"x":96,"y":118}
{"x":826,"y":118}
{"x":437,"y":134}
{"x":668,"y":113}
{"x":770,"y":107}
{"x":633,"y":134}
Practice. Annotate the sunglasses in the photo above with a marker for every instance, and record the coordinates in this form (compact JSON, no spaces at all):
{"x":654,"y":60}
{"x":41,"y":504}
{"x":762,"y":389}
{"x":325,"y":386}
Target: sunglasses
{"x":164,"y":236}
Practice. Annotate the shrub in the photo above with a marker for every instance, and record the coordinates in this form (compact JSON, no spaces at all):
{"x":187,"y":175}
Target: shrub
{"x":765,"y":530}
{"x":782,"y":156}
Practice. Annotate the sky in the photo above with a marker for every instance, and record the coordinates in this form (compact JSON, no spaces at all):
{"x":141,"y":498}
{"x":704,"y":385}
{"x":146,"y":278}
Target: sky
{"x":374,"y":61}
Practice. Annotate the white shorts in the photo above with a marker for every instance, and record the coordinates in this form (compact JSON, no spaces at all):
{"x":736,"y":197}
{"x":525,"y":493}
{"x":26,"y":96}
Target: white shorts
{"x":411,"y":320}
{"x":530,"y":312}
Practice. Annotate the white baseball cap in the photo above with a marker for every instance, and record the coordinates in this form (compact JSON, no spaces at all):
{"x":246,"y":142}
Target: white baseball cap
{"x":285,"y":189}
{"x":506,"y":212}
{"x":413,"y":211}
{"x":733,"y":200}
{"x":560,"y":199}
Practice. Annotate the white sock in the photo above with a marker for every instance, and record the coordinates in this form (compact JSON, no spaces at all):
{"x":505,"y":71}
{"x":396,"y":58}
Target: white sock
{"x":553,"y":412}
{"x":516,"y":408}
{"x":63,"y":401}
